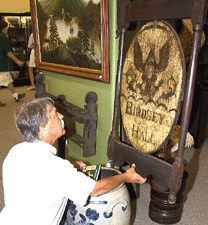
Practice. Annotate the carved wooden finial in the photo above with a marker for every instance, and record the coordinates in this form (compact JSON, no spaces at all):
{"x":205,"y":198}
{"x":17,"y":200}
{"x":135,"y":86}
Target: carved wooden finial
{"x":61,"y":98}
{"x":91,"y":97}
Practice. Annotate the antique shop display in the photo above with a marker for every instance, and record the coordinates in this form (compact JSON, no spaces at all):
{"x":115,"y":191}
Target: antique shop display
{"x":149,"y":90}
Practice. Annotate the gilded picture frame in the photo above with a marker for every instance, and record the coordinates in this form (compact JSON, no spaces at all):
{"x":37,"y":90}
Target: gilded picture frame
{"x":72,"y":37}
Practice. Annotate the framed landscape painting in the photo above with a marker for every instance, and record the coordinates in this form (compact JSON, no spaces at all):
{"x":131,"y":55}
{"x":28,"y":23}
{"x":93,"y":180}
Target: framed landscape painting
{"x":72,"y":37}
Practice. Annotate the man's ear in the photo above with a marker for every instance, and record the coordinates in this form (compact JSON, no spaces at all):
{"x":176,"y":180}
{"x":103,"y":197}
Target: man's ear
{"x":43,"y":132}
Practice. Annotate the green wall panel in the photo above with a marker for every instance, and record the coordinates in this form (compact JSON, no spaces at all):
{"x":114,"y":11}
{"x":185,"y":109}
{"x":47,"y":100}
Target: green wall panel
{"x":76,"y":88}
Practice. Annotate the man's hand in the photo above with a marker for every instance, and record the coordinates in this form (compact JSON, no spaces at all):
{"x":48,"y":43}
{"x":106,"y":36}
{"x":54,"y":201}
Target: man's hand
{"x":79,"y":165}
{"x":109,"y":183}
{"x":133,"y":177}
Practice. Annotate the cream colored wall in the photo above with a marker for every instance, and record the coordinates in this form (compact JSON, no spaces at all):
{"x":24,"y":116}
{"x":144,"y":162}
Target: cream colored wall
{"x":15,"y":6}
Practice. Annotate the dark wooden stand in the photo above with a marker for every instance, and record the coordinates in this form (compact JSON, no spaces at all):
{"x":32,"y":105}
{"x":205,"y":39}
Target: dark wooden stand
{"x":118,"y":152}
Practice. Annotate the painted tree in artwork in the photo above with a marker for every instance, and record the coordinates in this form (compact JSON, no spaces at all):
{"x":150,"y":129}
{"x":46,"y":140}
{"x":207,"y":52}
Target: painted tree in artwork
{"x":85,"y":40}
{"x":89,"y":25}
{"x":54,"y":35}
{"x":92,"y":49}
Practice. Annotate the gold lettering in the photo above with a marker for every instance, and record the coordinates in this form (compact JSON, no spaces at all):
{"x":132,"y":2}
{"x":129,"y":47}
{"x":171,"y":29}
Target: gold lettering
{"x":129,"y":108}
{"x":134,"y":131}
{"x":138,"y":112}
{"x":142,"y":133}
{"x":155,"y":117}
{"x":134,"y":110}
{"x":143,"y":116}
{"x":149,"y":115}
{"x":161,"y":118}
{"x":149,"y":137}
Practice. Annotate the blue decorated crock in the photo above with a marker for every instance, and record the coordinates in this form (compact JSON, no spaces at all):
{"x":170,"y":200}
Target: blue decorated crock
{"x":110,"y":208}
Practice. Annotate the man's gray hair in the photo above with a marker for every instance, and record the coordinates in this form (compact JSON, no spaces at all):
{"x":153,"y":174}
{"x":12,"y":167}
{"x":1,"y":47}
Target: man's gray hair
{"x":31,"y":116}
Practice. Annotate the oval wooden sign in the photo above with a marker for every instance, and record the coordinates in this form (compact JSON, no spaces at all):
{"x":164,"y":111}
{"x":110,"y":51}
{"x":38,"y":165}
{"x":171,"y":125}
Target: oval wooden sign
{"x":152,"y":86}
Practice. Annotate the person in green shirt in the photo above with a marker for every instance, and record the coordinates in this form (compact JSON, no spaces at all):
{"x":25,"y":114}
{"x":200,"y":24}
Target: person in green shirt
{"x":6,"y":57}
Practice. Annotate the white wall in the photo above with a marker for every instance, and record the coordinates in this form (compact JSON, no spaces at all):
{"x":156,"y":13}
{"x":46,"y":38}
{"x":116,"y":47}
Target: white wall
{"x":15,"y":6}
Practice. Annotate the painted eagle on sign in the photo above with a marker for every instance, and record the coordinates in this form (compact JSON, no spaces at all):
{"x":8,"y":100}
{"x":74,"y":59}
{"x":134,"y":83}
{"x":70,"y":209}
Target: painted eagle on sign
{"x":150,"y":68}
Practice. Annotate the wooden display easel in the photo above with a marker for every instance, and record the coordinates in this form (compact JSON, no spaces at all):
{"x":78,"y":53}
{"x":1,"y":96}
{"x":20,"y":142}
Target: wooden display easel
{"x":166,"y":175}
